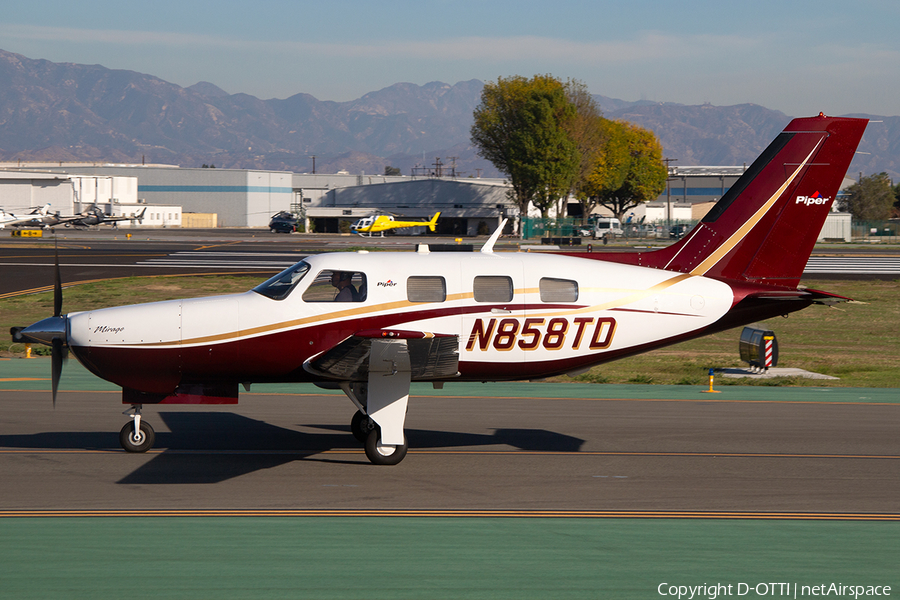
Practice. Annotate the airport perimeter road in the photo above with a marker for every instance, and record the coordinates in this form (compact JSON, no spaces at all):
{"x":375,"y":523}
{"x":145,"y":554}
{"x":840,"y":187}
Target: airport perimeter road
{"x":747,"y":451}
{"x":27,"y":263}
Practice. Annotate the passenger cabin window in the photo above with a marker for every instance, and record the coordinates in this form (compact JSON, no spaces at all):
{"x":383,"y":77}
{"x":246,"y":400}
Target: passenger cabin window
{"x":337,"y":286}
{"x":558,"y":290}
{"x":278,"y":287}
{"x":426,"y":289}
{"x":493,"y":288}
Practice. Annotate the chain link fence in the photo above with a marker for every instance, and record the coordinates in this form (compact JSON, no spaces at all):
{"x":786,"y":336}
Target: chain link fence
{"x":876,"y":232}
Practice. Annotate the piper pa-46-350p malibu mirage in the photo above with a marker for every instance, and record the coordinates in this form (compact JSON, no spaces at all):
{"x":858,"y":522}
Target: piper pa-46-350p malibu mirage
{"x":370,"y":326}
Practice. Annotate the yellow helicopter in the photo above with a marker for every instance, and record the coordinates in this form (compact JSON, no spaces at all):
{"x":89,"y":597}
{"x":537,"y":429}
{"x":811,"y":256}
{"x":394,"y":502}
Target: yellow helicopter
{"x":381,"y":223}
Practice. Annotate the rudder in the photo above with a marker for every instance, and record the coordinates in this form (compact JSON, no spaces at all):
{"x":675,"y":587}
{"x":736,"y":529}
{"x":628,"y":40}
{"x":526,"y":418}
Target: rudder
{"x":764,"y":228}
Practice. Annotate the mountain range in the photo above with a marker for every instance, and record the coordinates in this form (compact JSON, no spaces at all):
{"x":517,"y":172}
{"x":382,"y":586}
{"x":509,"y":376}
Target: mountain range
{"x":70,"y":112}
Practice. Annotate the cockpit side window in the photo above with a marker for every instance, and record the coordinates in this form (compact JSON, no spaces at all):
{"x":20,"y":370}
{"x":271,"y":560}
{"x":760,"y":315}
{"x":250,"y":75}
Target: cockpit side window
{"x":337,"y":286}
{"x":280,"y":286}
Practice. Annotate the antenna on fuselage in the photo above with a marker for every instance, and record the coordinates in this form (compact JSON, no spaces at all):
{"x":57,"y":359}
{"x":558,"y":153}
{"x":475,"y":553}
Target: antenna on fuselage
{"x":488,"y":247}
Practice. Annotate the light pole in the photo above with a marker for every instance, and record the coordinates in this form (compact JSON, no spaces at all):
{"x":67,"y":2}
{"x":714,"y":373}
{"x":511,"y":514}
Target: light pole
{"x":668,"y":195}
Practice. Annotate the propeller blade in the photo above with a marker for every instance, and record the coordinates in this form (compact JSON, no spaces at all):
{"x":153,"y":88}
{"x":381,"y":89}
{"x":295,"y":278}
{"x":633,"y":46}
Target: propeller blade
{"x":58,"y":356}
{"x":57,"y":286}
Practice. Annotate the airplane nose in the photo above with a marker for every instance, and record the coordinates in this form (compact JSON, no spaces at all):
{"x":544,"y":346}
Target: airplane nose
{"x":46,"y":330}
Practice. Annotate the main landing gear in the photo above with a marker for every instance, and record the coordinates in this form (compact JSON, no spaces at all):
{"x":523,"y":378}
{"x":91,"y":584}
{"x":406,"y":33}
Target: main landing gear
{"x":137,"y":436}
{"x":374,"y":368}
{"x":367,"y":432}
{"x":382,"y":402}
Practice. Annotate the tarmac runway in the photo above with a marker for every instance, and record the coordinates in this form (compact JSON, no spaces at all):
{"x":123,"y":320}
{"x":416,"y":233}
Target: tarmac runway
{"x":543,"y":447}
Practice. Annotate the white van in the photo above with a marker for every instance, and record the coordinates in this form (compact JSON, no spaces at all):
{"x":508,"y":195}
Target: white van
{"x":607,"y":226}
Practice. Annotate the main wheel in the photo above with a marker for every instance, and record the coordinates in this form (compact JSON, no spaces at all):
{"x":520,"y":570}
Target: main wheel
{"x":361,"y":425}
{"x":141,"y":442}
{"x":383,"y":454}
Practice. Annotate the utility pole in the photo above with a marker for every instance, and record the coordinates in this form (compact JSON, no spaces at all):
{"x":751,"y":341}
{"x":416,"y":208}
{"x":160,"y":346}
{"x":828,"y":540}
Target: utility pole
{"x":668,"y":195}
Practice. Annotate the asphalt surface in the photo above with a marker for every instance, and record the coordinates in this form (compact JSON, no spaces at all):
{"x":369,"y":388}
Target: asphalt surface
{"x":295,"y":452}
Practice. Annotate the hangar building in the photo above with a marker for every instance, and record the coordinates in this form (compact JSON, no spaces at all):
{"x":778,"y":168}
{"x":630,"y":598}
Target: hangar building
{"x":21,"y":191}
{"x":467,"y":206}
{"x":240,"y":198}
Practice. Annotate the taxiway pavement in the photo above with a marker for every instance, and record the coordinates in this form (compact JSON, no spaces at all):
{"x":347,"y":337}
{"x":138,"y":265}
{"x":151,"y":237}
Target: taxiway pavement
{"x":556,"y":449}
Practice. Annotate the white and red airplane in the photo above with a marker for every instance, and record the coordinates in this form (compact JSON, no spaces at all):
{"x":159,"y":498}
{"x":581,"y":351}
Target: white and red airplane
{"x":370,"y":326}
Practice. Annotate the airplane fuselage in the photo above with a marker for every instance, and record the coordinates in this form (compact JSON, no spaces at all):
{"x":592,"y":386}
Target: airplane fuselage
{"x":516,"y":315}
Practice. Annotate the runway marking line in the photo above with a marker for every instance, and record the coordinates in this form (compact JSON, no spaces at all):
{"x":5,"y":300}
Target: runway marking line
{"x":235,"y":243}
{"x":811,"y":402}
{"x":569,"y":514}
{"x":704,"y":400}
{"x":312,"y":452}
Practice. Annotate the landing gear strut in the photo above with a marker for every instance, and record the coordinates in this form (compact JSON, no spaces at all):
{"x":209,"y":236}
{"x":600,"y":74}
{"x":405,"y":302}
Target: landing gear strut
{"x":360,"y":425}
{"x":382,"y":401}
{"x":137,"y":436}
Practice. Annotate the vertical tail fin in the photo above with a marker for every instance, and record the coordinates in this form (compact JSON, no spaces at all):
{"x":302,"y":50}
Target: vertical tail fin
{"x":764,"y":228}
{"x":433,"y":222}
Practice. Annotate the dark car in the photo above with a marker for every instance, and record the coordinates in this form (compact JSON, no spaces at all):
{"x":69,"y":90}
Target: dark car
{"x":284,"y":222}
{"x":677,"y":231}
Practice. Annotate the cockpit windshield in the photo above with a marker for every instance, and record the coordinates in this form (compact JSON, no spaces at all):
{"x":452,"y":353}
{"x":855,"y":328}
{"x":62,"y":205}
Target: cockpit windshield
{"x":280,"y":286}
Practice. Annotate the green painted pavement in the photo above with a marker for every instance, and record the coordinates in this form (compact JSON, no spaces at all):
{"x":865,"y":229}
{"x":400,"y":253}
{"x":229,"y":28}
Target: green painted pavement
{"x":432,"y":558}
{"x":34,"y":374}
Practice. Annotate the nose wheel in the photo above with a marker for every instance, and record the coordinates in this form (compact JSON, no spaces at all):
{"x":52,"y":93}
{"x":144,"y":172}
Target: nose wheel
{"x":137,"y":436}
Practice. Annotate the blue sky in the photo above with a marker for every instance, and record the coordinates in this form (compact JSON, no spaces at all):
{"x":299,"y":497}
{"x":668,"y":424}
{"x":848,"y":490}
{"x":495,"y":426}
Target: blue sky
{"x":796,"y":56}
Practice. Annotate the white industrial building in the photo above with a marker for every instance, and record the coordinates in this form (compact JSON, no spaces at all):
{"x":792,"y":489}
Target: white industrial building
{"x":240,"y":198}
{"x":329,"y":202}
{"x":68,"y":194}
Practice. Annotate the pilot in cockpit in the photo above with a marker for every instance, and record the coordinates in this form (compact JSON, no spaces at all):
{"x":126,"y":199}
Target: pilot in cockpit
{"x":342,"y":280}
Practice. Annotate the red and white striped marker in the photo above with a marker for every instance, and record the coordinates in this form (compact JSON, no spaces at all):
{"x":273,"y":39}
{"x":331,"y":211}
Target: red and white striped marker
{"x":768,"y":360}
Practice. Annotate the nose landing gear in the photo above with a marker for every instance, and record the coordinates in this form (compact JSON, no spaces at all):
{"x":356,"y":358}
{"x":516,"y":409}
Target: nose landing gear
{"x":137,"y":436}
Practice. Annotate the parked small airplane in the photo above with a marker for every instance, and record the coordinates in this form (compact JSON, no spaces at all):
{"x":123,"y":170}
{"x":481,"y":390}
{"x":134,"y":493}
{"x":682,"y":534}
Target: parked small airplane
{"x":36,"y":215}
{"x":382,"y":223}
{"x":370,"y":324}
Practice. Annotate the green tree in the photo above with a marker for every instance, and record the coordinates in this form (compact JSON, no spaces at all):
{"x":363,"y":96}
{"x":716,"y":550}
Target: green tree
{"x":895,"y":212}
{"x":389,"y":170}
{"x":590,"y":133}
{"x":520,"y":125}
{"x":871,"y":198}
{"x":627,"y":171}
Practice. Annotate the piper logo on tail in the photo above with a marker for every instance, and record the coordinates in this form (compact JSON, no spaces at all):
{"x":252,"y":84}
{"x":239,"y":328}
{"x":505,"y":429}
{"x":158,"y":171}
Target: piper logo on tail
{"x":816,"y":198}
